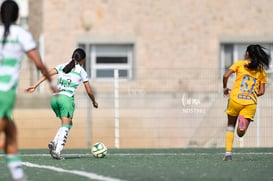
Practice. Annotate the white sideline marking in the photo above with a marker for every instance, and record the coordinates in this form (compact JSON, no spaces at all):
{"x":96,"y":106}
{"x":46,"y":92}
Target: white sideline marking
{"x":89,"y":175}
{"x":140,"y":154}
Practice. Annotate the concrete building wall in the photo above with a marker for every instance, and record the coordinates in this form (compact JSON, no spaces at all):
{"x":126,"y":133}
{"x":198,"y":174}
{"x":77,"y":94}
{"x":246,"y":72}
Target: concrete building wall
{"x":167,"y":34}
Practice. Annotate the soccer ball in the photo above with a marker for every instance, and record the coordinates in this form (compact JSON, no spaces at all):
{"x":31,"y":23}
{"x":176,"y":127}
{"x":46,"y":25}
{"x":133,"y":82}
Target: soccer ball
{"x":99,"y":150}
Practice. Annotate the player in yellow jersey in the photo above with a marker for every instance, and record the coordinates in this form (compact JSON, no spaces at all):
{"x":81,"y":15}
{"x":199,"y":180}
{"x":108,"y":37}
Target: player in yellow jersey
{"x":248,"y":86}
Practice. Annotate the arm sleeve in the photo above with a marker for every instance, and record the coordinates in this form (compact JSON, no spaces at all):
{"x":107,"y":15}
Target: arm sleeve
{"x":58,"y":67}
{"x":235,"y":66}
{"x":264,"y":78}
{"x":84,"y":76}
{"x":27,"y":41}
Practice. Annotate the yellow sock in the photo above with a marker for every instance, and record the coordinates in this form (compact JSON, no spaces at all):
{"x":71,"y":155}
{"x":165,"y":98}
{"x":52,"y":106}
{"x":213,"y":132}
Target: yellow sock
{"x":229,"y":139}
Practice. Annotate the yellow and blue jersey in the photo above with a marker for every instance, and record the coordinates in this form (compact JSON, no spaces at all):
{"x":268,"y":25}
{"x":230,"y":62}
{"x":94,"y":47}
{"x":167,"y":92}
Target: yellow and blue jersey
{"x":247,"y":83}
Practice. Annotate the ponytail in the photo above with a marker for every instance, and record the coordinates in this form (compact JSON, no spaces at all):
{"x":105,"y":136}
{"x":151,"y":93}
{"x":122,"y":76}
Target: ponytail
{"x":9,"y":15}
{"x":69,"y":66}
{"x":77,"y":56}
{"x":258,"y":56}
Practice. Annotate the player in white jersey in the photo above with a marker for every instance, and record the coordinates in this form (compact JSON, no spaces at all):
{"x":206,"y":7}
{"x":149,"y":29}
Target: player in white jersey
{"x":14,"y":43}
{"x":70,"y":75}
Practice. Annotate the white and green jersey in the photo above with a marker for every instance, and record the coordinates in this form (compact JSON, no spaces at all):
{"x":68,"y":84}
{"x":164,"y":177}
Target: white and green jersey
{"x":68,"y":83}
{"x":18,"y":42}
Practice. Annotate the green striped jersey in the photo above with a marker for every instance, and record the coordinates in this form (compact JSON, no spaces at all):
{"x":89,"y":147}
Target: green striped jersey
{"x":18,"y":42}
{"x":68,"y":83}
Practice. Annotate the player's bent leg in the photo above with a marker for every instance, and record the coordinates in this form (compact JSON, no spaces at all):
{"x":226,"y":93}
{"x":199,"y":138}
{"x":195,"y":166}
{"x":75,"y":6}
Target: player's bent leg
{"x":242,"y":126}
{"x":240,"y":133}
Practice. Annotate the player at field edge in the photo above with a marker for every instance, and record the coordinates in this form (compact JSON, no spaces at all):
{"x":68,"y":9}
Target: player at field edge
{"x":248,"y":86}
{"x":15,"y":42}
{"x":69,"y":76}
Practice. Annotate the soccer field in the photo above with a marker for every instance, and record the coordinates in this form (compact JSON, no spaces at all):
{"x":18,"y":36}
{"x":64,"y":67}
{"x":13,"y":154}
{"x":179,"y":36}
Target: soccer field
{"x":147,"y":164}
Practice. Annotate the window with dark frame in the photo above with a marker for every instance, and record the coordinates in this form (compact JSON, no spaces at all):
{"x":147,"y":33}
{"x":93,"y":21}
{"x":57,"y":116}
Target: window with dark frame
{"x":103,"y":59}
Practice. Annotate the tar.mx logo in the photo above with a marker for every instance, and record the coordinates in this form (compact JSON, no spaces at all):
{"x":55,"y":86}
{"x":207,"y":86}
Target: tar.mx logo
{"x":186,"y":101}
{"x":191,"y":105}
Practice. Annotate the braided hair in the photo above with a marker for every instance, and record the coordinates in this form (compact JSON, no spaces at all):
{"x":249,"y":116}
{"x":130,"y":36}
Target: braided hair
{"x":258,"y":58}
{"x":77,"y":56}
{"x":9,"y":15}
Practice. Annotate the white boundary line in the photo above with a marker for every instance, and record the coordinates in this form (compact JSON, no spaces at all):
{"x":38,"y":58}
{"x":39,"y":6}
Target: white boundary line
{"x":140,"y":154}
{"x":89,"y":175}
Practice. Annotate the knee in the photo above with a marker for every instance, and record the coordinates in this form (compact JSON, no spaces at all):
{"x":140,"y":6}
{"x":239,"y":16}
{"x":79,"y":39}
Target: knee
{"x":240,"y":133}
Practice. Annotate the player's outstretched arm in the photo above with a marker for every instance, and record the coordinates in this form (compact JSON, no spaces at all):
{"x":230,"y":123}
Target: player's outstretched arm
{"x":35,"y":57}
{"x":32,"y":88}
{"x":90,"y":94}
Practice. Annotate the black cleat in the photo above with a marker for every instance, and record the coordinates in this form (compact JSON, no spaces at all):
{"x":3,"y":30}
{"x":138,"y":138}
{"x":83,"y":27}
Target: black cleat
{"x":51,"y":146}
{"x":56,"y":155}
{"x":227,"y":158}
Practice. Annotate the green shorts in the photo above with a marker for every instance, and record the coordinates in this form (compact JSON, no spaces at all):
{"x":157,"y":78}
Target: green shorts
{"x":63,"y":106}
{"x":7,"y":102}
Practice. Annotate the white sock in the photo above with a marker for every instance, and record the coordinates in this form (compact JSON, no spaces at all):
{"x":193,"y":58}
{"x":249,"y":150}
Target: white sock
{"x":63,"y":133}
{"x":15,"y":166}
{"x":55,"y":140}
{"x":228,"y":153}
